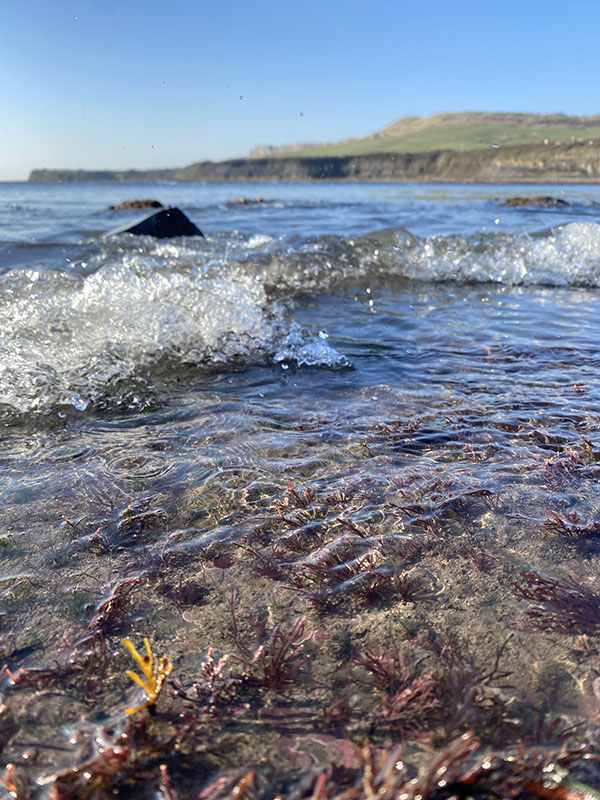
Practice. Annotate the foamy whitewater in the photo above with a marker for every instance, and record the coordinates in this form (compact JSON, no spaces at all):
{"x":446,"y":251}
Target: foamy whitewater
{"x":89,"y":320}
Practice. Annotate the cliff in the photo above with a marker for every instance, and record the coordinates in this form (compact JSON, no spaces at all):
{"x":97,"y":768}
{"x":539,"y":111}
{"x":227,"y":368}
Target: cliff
{"x":571,"y":162}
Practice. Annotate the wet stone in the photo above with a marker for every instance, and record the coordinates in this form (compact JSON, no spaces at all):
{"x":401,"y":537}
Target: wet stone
{"x":163,"y":224}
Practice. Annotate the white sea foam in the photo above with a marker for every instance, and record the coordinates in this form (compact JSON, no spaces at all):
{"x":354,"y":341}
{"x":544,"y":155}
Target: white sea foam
{"x":568,"y":256}
{"x":140,"y":309}
{"x":71,"y":339}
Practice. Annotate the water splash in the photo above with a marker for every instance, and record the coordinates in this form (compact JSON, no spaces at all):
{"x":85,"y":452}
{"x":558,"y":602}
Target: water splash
{"x":102,"y":330}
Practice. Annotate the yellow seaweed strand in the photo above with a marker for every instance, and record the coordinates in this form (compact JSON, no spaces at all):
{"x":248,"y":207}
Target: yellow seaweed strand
{"x":154,"y":672}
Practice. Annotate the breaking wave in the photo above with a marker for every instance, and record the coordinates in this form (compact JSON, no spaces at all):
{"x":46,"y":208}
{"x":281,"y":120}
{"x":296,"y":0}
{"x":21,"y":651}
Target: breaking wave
{"x":565,"y":256}
{"x":128,"y":312}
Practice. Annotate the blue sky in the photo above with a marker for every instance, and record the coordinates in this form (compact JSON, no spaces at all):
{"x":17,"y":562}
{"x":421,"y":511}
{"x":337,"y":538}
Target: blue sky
{"x":126,"y":83}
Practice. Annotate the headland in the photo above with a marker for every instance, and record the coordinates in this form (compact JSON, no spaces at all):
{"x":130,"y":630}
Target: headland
{"x":565,"y":162}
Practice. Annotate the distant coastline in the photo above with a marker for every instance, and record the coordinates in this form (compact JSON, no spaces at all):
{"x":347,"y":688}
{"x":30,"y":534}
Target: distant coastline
{"x":552,"y":162}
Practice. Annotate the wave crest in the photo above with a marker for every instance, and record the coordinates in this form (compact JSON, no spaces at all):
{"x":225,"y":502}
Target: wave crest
{"x":104,"y":330}
{"x":566,"y":256}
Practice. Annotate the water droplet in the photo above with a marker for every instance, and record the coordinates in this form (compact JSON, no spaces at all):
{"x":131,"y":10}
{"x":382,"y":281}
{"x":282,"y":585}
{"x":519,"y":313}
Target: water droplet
{"x":323,"y":334}
{"x":79,"y":403}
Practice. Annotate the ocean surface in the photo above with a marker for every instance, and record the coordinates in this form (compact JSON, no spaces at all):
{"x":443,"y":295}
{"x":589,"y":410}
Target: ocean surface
{"x":400,"y":346}
{"x":343,"y":285}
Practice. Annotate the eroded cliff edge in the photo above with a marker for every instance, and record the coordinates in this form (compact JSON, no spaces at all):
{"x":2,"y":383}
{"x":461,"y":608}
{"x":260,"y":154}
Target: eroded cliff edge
{"x":571,"y":162}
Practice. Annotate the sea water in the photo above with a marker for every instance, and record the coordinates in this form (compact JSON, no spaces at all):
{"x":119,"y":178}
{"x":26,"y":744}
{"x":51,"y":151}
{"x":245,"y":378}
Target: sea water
{"x":400,"y":346}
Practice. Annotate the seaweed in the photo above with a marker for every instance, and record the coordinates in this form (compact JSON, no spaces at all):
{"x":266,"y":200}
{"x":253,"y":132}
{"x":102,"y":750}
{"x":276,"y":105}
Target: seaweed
{"x":560,"y":470}
{"x":154,"y":674}
{"x":122,"y":531}
{"x":135,"y":760}
{"x":213,"y":692}
{"x":165,"y":787}
{"x":109,"y":617}
{"x":98,"y":772}
{"x":337,"y":545}
{"x":570,"y":525}
{"x":388,"y":774}
{"x":239,"y":786}
{"x":40,"y":678}
{"x":561,"y":606}
{"x":409,"y":588}
{"x":312,"y":587}
{"x":406,"y":548}
{"x":346,"y":523}
{"x":301,"y":510}
{"x":298,"y":539}
{"x":303,"y":502}
{"x":364,"y":579}
{"x":266,"y":564}
{"x":406,"y":698}
{"x":17,"y":785}
{"x":274,"y":661}
{"x":592,"y":454}
{"x":468,"y":694}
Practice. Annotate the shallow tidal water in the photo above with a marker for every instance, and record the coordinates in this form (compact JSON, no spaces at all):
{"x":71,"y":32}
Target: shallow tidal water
{"x":338,"y":460}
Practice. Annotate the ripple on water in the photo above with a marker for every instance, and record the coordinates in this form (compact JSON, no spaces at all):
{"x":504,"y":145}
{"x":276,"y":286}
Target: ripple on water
{"x":395,"y":499}
{"x":137,"y":467}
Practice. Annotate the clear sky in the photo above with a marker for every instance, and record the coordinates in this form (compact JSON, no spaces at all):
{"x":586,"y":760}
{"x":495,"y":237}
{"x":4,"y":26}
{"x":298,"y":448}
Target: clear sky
{"x":139,"y":83}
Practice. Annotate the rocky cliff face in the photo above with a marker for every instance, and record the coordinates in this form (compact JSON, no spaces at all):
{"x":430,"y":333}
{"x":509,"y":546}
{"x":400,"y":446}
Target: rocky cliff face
{"x":573,"y":162}
{"x":99,"y":176}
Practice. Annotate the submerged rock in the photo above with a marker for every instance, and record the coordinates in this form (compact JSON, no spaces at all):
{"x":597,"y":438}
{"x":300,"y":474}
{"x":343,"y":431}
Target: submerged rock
{"x":544,"y":202}
{"x":163,"y":224}
{"x":135,"y":205}
{"x":244,"y":201}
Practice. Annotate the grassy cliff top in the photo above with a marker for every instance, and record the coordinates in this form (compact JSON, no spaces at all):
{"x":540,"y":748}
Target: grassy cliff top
{"x":450,"y":131}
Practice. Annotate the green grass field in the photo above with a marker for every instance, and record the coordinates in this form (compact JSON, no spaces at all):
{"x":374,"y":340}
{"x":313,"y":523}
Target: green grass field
{"x":451,"y":136}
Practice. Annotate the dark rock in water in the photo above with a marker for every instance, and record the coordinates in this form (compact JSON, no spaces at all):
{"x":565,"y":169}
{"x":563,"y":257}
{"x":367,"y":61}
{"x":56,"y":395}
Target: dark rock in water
{"x":135,"y":205}
{"x":244,"y":201}
{"x":544,"y":202}
{"x":163,"y":224}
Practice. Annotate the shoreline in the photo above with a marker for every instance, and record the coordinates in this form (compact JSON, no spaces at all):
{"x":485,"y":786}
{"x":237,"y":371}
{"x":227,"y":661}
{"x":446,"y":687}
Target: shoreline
{"x":521,"y":182}
{"x":569,"y":163}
